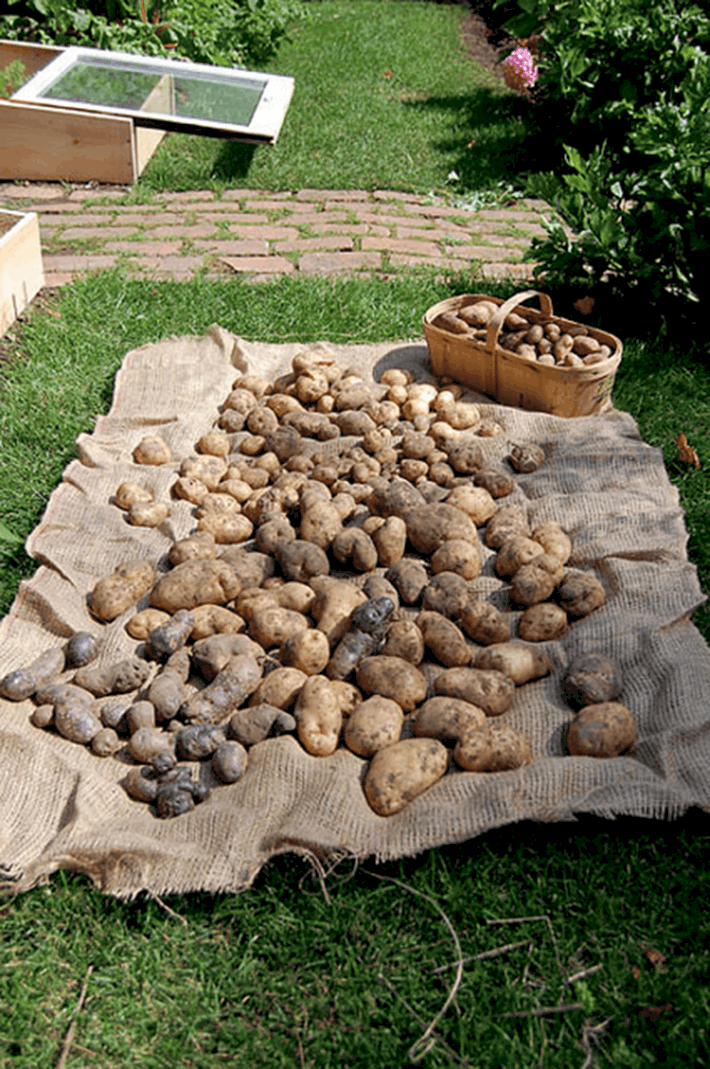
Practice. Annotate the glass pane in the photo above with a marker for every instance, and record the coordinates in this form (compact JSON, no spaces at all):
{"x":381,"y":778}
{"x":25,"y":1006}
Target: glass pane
{"x":109,"y":87}
{"x":223,"y":102}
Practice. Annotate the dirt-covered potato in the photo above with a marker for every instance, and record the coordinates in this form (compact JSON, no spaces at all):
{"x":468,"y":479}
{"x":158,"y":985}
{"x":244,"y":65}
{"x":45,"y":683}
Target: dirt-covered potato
{"x":484,"y":622}
{"x":22,"y":682}
{"x":443,"y":638}
{"x":130,"y":493}
{"x":318,"y":717}
{"x":81,"y":649}
{"x":542,"y":622}
{"x":430,"y":526}
{"x":147,"y":514}
{"x":390,"y":541}
{"x":152,"y":450}
{"x":210,"y":655}
{"x":554,"y":540}
{"x":492,"y":748}
{"x":229,"y":761}
{"x":352,"y":544}
{"x":309,"y":651}
{"x":399,"y":773}
{"x":526,"y":457}
{"x":215,"y":620}
{"x":465,"y":455}
{"x":519,"y":662}
{"x":280,"y":688}
{"x":447,"y":593}
{"x":115,"y":593}
{"x":200,"y":545}
{"x":514,"y":553}
{"x":146,"y":744}
{"x":459,"y":556}
{"x":372,"y":725}
{"x":195,"y":582}
{"x":273,"y":533}
{"x":535,"y":582}
{"x":301,"y":561}
{"x":475,"y":501}
{"x":334,"y":602}
{"x":446,"y":719}
{"x":392,"y":677}
{"x":227,"y":528}
{"x":75,"y":715}
{"x":253,"y":568}
{"x":207,"y":469}
{"x":591,"y":678}
{"x":489,"y":689}
{"x":272,"y":625}
{"x":171,"y":636}
{"x":405,"y":640}
{"x":166,"y":694}
{"x":497,"y":483}
{"x":604,"y":729}
{"x":395,"y":498}
{"x":118,"y":678}
{"x":409,"y":578}
{"x":226,"y":693}
{"x":507,"y":521}
{"x":580,"y":593}
{"x":321,"y":521}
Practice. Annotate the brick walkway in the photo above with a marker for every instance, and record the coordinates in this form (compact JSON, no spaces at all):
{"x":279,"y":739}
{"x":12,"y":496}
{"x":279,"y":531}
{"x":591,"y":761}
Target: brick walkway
{"x":263,"y":235}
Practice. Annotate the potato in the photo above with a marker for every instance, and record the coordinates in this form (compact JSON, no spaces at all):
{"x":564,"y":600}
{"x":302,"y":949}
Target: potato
{"x":334,"y":602}
{"x":492,"y":748}
{"x":392,"y":677}
{"x":497,"y":483}
{"x":117,"y":678}
{"x":430,"y":526}
{"x":298,"y":597}
{"x":280,"y":688}
{"x":526,"y":457}
{"x":226,"y":693}
{"x":465,"y":455}
{"x":591,"y":678}
{"x":347,"y":695}
{"x":272,"y":533}
{"x":459,"y":556}
{"x":519,"y":662}
{"x":189,"y":489}
{"x":535,"y":582}
{"x":448,"y":594}
{"x":506,"y":522}
{"x":215,"y":620}
{"x":105,"y":742}
{"x":210,"y":655}
{"x":390,"y":540}
{"x":444,"y":639}
{"x":152,"y":450}
{"x":580,"y":593}
{"x":130,"y":493}
{"x":373,"y":724}
{"x":398,"y":773}
{"x":149,"y":514}
{"x":200,"y":545}
{"x":147,"y":743}
{"x":309,"y":651}
{"x":166,"y":694}
{"x":195,"y":582}
{"x":554,"y":540}
{"x":446,"y":719}
{"x":353,"y":544}
{"x":409,"y":578}
{"x":604,"y":729}
{"x":252,"y":568}
{"x":227,"y":528}
{"x":141,"y":714}
{"x":318,"y":717}
{"x":301,"y":561}
{"x":81,"y":649}
{"x":257,"y":722}
{"x":207,"y":469}
{"x":484,"y":622}
{"x":114,"y":594}
{"x":272,"y":625}
{"x":75,"y":714}
{"x":489,"y":689}
{"x":229,"y":761}
{"x":22,"y":682}
{"x":170,"y":636}
{"x":542,"y":622}
{"x":405,"y":640}
{"x":514,"y":553}
{"x":476,"y":502}
{"x":395,"y":498}
{"x":320,"y":521}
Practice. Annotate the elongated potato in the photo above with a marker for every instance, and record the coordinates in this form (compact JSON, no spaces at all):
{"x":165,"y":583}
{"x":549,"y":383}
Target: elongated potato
{"x":399,"y":773}
{"x":18,"y":685}
{"x":318,"y":717}
{"x":393,"y":678}
{"x":485,"y":623}
{"x":444,"y":639}
{"x":492,"y":748}
{"x":446,"y":719}
{"x":489,"y":689}
{"x":195,"y":582}
{"x":518,"y":661}
{"x":115,"y":593}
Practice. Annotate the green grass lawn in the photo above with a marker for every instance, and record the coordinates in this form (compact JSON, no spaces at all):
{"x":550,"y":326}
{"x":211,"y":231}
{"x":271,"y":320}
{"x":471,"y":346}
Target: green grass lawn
{"x":386,"y":96}
{"x":283,"y":975}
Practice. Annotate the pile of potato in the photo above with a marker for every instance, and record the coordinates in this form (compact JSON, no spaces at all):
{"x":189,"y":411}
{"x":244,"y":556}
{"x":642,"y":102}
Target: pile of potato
{"x":543,"y":342}
{"x":326,"y":592}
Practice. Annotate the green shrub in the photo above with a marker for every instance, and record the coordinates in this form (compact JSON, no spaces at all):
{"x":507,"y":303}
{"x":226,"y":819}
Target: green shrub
{"x":223,"y":32}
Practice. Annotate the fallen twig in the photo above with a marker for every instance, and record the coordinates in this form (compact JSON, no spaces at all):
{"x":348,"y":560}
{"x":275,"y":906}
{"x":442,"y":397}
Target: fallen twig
{"x":590,"y":1032}
{"x":483,"y":955}
{"x":435,"y":1035}
{"x":537,"y":917}
{"x":163,"y":905}
{"x":67,"y":1041}
{"x":583,"y":974}
{"x":544,"y":1011}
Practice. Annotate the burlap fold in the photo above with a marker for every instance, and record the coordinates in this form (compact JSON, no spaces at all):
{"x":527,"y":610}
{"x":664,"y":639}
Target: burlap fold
{"x":64,"y":807}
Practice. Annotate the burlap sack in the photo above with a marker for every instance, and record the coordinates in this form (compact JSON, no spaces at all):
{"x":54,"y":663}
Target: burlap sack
{"x":62,"y":807}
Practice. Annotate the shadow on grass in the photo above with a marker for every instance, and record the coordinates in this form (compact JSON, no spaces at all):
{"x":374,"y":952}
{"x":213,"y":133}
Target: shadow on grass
{"x":495,"y":136}
{"x":234,"y":160}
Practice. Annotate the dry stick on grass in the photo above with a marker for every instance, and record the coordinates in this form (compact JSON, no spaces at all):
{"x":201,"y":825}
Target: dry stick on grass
{"x":544,"y":1011}
{"x":537,"y":917}
{"x":67,"y":1041}
{"x":435,"y":1035}
{"x":590,"y":1032}
{"x":485,"y":954}
{"x":163,"y":905}
{"x":423,"y":1045}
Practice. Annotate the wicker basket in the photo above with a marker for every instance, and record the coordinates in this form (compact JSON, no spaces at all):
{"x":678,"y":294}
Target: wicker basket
{"x":487,"y":367}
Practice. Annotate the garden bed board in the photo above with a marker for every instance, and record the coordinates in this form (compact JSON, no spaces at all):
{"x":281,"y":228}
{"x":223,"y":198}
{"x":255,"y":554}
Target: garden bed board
{"x":65,"y":808}
{"x":21,"y":271}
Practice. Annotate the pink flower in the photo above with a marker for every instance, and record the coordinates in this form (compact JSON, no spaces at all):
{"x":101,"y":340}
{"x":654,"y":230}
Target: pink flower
{"x":520,"y":69}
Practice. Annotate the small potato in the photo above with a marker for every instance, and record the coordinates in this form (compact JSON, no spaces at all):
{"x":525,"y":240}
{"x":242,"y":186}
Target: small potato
{"x":489,"y":689}
{"x":542,"y":622}
{"x":280,"y":688}
{"x":118,"y":678}
{"x":390,"y":540}
{"x":405,"y":640}
{"x":226,"y":693}
{"x":352,"y":544}
{"x":446,"y":719}
{"x":187,"y":488}
{"x":591,"y":678}
{"x":347,"y":696}
{"x":508,"y":521}
{"x":526,"y":457}
{"x":476,"y":502}
{"x":465,"y":456}
{"x":22,"y":682}
{"x":604,"y":729}
{"x":257,"y":722}
{"x":485,"y":623}
{"x":535,"y":581}
{"x":227,"y":528}
{"x":318,"y":717}
{"x":215,"y":620}
{"x":492,"y":748}
{"x":432,"y":525}
{"x":229,"y":761}
{"x":514,"y":553}
{"x":215,"y":443}
{"x":392,"y":677}
{"x":207,"y":469}
{"x":399,"y":773}
{"x":373,"y":724}
{"x":129,"y":493}
{"x":309,"y":651}
{"x":200,"y":545}
{"x":152,"y":450}
{"x":580,"y":593}
{"x":519,"y":662}
{"x":409,"y":578}
{"x":447,"y":593}
{"x":297,"y":597}
{"x":458,"y":556}
{"x":147,"y":514}
{"x":334,"y":602}
{"x":111,"y":596}
{"x":444,"y":639}
{"x":554,"y":540}
{"x":301,"y":561}
{"x":272,"y":625}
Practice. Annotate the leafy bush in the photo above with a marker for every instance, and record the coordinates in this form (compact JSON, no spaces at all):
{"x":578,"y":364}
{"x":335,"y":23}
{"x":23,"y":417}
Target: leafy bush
{"x":223,"y":32}
{"x":628,"y":84}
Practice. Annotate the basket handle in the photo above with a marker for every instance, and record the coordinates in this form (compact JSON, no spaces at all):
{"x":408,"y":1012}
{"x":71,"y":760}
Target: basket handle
{"x":496,"y":320}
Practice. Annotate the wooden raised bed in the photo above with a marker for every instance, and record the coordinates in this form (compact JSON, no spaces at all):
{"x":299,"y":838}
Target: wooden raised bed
{"x":21,"y":273}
